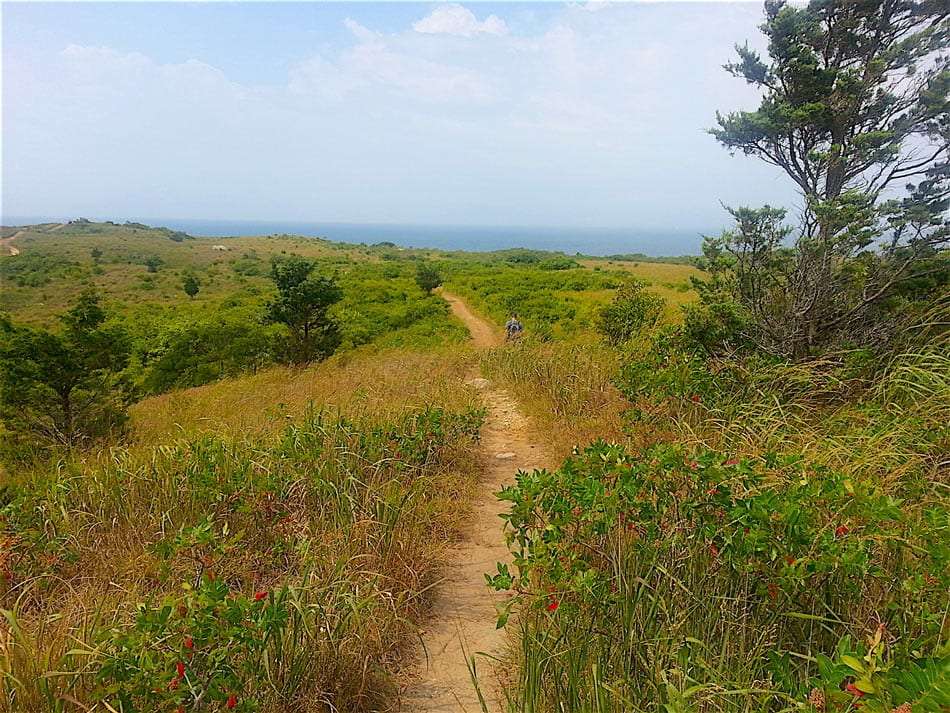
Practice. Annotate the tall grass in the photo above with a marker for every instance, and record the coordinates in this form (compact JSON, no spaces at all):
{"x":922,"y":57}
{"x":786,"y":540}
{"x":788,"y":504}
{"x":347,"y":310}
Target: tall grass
{"x":345,"y":515}
{"x":567,"y":388}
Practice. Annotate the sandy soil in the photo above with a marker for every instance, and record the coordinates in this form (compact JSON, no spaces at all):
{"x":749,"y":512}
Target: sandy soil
{"x":462,"y":623}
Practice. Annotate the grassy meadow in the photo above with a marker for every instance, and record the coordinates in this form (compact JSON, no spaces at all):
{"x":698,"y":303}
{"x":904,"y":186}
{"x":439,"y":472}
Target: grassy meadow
{"x":292,"y":496}
{"x":724,"y":534}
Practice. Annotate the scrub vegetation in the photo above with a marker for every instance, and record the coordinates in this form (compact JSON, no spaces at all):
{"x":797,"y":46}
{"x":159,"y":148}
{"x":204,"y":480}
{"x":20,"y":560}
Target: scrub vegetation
{"x":230,"y":467}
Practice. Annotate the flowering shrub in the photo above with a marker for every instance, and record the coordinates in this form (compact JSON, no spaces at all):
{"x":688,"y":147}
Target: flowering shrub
{"x":203,"y":650}
{"x":781,"y":555}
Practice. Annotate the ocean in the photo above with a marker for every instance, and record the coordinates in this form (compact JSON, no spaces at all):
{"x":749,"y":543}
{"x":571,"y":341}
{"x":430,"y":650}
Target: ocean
{"x":588,"y":241}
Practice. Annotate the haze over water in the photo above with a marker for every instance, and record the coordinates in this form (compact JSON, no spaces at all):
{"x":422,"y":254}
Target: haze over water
{"x":589,"y":241}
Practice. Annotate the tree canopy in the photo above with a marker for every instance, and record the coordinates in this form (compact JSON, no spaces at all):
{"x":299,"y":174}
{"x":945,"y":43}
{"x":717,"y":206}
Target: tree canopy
{"x":302,"y":304}
{"x":61,"y":387}
{"x":854,"y":108}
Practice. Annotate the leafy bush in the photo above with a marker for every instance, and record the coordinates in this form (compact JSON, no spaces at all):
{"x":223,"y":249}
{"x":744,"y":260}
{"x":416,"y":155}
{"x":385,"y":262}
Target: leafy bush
{"x":199,"y":651}
{"x":427,"y":277}
{"x":558,"y":263}
{"x":631,"y":311}
{"x":665,"y":567}
{"x":32,"y":269}
{"x":194,"y":353}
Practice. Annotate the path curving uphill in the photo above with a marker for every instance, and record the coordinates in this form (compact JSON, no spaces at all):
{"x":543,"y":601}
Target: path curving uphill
{"x":8,"y":243}
{"x":463,"y":616}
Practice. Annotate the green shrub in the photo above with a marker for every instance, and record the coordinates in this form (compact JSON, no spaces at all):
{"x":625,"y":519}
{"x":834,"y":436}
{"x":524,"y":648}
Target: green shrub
{"x":664,"y":567}
{"x":631,"y":311}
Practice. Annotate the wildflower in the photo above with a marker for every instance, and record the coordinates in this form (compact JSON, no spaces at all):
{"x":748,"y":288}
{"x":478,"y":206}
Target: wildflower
{"x":854,"y":690}
{"x":713,"y":550}
{"x":189,"y":643}
{"x":173,"y":684}
{"x":232,"y":701}
{"x":773,"y":591}
{"x":259,"y":596}
{"x":732,"y":461}
{"x":180,"y":668}
{"x":789,"y":560}
{"x":842,"y":530}
{"x":817,"y":700}
{"x":712,"y":491}
{"x":695,"y":398}
{"x":693,"y":465}
{"x":552,"y":607}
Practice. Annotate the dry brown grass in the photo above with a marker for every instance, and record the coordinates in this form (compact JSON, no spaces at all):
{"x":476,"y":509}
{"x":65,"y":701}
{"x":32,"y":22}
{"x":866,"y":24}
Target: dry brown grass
{"x":565,"y":388}
{"x":365,"y":536}
{"x":355,"y":383}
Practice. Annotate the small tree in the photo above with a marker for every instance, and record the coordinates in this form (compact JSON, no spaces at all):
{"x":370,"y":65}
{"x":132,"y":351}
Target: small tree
{"x":854,"y":104}
{"x":427,"y":277}
{"x":61,"y":388}
{"x":153,"y":263}
{"x":96,"y":254}
{"x":632,"y":310}
{"x":190,"y":285}
{"x":302,"y":304}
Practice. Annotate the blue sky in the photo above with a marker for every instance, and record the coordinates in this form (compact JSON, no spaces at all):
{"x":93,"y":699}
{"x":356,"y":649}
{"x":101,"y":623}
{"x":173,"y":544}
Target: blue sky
{"x":469,"y":114}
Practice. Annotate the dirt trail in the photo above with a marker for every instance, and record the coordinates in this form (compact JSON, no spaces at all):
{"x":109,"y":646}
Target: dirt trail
{"x":8,"y":242}
{"x":462,"y":622}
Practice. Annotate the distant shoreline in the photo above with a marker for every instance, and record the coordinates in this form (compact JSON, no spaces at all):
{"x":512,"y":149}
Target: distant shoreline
{"x":599,"y":242}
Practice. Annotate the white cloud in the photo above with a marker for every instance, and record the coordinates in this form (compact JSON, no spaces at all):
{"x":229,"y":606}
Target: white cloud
{"x":363,"y":34}
{"x":583,"y":116}
{"x":457,"y":20}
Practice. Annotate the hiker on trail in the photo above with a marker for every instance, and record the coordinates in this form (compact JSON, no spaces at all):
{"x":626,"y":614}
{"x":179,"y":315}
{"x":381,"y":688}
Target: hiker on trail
{"x":513,"y":328}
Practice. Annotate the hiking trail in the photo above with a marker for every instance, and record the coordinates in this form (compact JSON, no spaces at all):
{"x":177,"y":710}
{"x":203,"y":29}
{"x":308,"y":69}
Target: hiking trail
{"x":462,"y":621}
{"x":12,"y":249}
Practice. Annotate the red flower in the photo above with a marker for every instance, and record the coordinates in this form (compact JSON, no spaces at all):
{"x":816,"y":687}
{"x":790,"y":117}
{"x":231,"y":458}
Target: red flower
{"x":232,"y":701}
{"x":180,"y":667}
{"x":695,"y":398}
{"x":552,"y":607}
{"x":789,"y":560}
{"x":854,"y":690}
{"x":173,"y":684}
{"x":189,"y":643}
{"x":693,"y":465}
{"x":712,"y":491}
{"x":259,"y":596}
{"x":732,"y":461}
{"x":842,"y":530}
{"x":713,"y":550}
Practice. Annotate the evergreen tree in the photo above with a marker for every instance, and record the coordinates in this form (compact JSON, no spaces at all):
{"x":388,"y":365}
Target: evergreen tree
{"x":302,"y":304}
{"x":854,"y":104}
{"x":62,"y":388}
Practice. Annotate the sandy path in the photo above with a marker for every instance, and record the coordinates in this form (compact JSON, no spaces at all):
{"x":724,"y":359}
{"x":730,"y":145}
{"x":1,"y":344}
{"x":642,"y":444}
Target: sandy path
{"x":8,"y":242}
{"x":462,"y":622}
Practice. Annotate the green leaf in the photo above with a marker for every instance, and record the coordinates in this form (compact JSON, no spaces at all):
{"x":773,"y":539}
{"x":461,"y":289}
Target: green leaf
{"x":852,"y":663}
